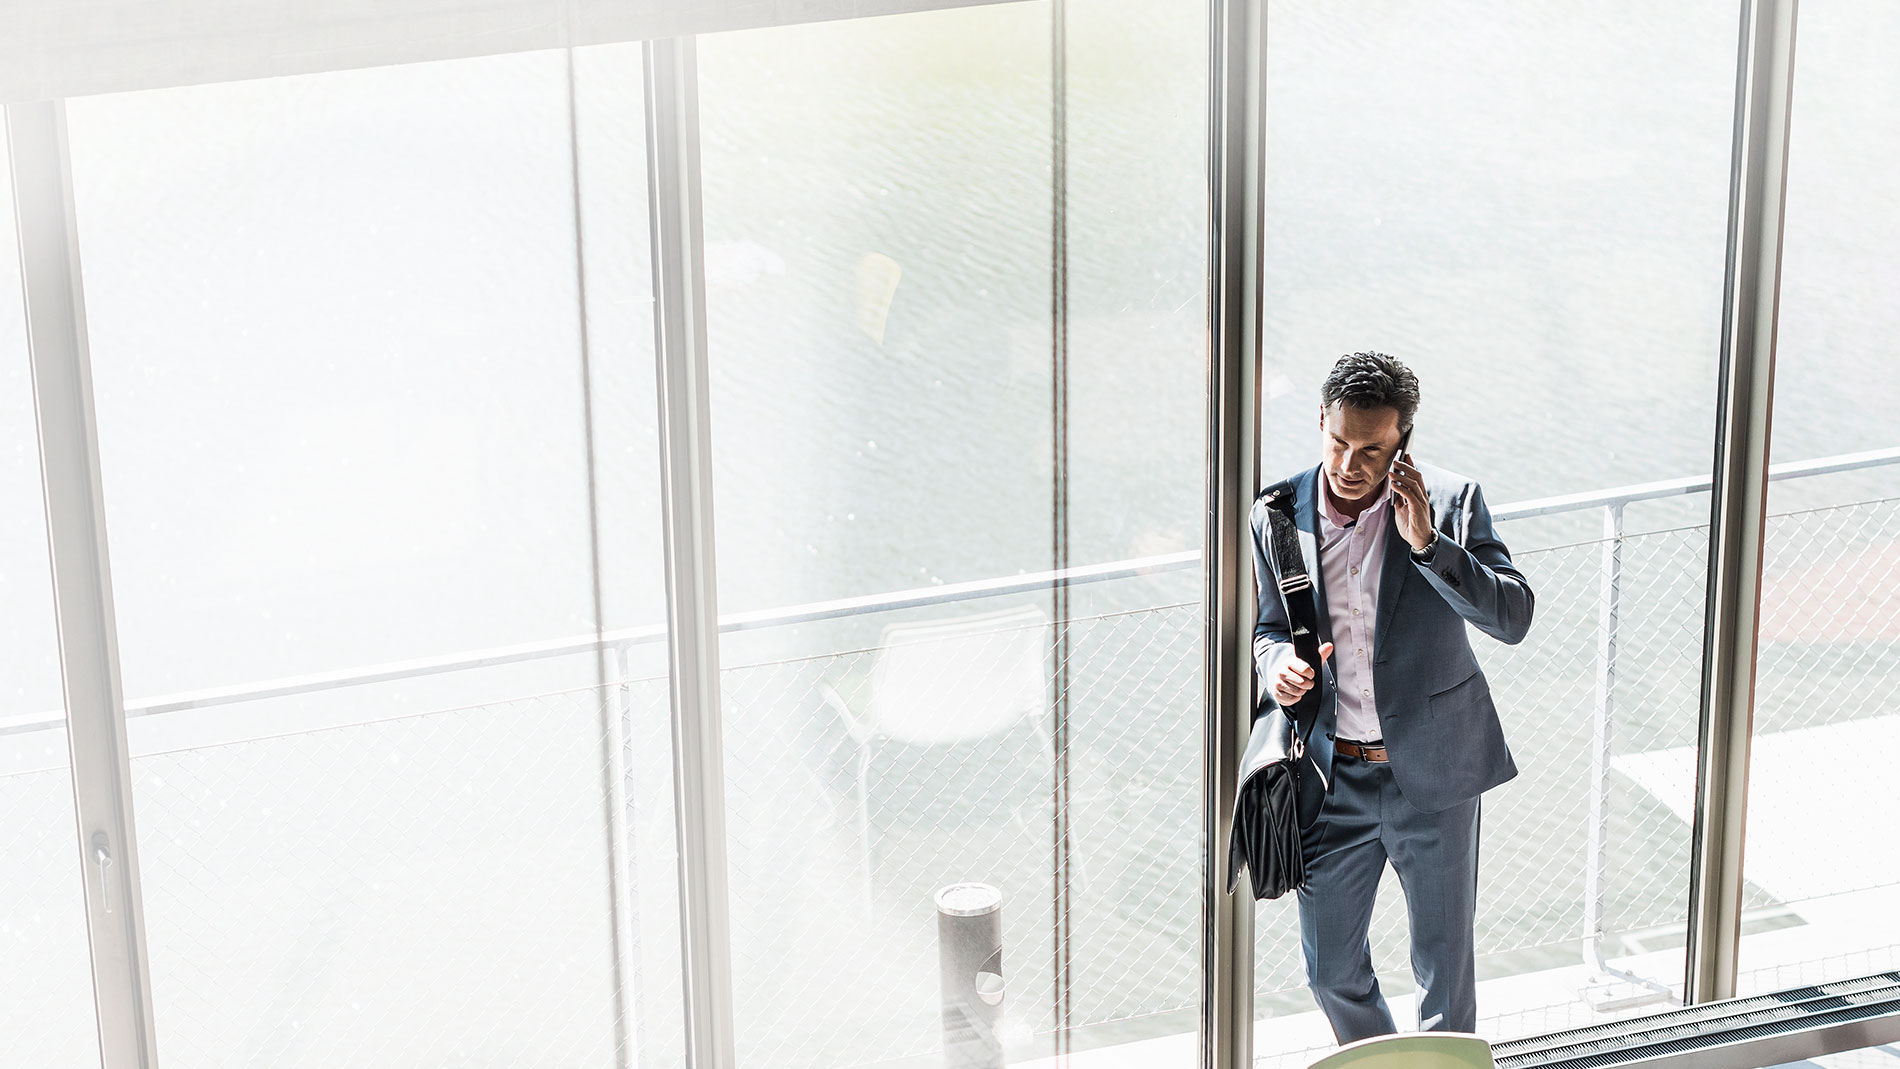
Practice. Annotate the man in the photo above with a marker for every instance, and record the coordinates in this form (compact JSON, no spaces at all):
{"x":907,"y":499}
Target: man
{"x":1402,"y":557}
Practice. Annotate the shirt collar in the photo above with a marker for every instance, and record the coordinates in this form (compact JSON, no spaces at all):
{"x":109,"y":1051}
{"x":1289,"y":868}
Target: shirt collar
{"x":1339,"y":520}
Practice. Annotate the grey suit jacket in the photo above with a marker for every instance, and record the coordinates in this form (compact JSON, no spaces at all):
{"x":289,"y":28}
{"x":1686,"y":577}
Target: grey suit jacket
{"x":1440,"y":727}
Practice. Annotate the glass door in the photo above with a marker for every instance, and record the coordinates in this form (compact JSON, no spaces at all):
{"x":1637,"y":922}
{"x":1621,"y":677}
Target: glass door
{"x":45,"y":976}
{"x":382,"y":704}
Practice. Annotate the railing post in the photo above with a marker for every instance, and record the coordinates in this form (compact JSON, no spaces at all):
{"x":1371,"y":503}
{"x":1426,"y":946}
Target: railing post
{"x":1602,"y":736}
{"x":617,"y":712}
{"x":1609,"y":591}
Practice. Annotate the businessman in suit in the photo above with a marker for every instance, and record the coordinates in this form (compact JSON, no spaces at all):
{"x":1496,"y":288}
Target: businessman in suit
{"x":1403,"y":557}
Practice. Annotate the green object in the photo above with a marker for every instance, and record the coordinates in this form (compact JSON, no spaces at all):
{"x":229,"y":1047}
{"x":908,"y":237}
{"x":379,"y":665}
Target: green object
{"x":1416,"y":1050}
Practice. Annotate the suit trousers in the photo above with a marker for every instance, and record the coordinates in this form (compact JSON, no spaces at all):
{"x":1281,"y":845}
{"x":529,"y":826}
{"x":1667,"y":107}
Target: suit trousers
{"x":1362,"y":823}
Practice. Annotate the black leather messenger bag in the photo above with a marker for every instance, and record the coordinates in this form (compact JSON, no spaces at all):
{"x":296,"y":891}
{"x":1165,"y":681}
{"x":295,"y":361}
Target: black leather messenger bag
{"x":1265,"y":836}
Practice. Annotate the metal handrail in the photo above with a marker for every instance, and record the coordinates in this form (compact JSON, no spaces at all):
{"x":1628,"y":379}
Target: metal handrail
{"x":1623,"y":495}
{"x":627,"y":638}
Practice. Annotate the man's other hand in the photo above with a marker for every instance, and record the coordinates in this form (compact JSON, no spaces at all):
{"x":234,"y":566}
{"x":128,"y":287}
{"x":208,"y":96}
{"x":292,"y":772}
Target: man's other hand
{"x":1295,"y":678}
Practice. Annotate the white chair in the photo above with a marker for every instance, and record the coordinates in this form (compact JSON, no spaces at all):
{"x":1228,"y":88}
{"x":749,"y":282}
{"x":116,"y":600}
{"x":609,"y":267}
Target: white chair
{"x":1412,"y":1050}
{"x":946,"y":682}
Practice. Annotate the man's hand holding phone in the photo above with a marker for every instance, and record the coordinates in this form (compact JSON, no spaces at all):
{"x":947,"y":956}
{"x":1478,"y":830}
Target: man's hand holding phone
{"x":1411,"y":506}
{"x":1295,"y":677}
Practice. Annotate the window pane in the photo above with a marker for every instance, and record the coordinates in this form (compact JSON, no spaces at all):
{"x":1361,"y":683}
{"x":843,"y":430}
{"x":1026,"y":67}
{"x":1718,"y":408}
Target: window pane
{"x":45,"y":963}
{"x":1136,"y":335}
{"x":343,"y":415}
{"x":1464,"y":186}
{"x":877,"y":258}
{"x":1819,"y":904}
{"x":885,"y":315}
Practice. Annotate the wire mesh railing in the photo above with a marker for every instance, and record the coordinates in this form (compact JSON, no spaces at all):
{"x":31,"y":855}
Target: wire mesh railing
{"x":1595,"y":851}
{"x":1535,"y":864}
{"x":364,"y":893}
{"x":414,"y":891}
{"x":843,"y":825}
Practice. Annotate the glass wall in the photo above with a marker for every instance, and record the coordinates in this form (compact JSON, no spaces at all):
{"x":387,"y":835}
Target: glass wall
{"x":956,"y":284}
{"x":373,"y":363}
{"x":373,"y":371}
{"x":1528,"y":206}
{"x":45,"y":972}
{"x":1821,"y":904}
{"x":384,"y":767}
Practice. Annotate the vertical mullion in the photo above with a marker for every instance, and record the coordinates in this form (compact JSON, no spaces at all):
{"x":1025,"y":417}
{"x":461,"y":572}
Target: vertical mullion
{"x":1236,"y":54}
{"x":82,"y":586}
{"x":685,"y":415}
{"x":1764,"y":86}
{"x":1061,"y":844}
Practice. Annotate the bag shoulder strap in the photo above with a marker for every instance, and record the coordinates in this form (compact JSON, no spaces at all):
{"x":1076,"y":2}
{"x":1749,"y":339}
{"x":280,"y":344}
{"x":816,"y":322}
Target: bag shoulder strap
{"x":1295,"y":590}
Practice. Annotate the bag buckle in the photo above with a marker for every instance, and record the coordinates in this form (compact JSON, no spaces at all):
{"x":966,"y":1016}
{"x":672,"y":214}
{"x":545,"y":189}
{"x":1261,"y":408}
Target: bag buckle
{"x":1293,"y":584}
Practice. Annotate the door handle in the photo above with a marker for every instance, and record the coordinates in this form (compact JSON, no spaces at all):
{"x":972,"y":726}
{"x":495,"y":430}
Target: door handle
{"x":102,"y":857}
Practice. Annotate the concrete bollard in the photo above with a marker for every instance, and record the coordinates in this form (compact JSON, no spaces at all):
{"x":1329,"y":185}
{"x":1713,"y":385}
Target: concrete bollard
{"x":970,"y":964}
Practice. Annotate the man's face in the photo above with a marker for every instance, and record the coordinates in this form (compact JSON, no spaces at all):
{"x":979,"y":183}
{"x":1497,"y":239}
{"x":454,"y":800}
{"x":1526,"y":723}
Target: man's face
{"x":1356,"y":446}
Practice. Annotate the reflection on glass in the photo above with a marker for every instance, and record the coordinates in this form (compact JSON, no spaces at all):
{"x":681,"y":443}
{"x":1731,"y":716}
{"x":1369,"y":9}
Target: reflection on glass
{"x":884,"y":316}
{"x":1135,"y":329}
{"x":877,"y":237}
{"x":1461,"y":186}
{"x":45,"y":967}
{"x":1820,"y":904}
{"x":335,"y":330}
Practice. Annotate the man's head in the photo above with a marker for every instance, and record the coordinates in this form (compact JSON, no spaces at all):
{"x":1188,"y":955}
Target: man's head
{"x":1367,"y":404}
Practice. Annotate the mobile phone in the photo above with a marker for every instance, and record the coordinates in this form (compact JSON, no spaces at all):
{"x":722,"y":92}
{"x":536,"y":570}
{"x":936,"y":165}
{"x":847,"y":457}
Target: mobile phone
{"x":1405,"y":442}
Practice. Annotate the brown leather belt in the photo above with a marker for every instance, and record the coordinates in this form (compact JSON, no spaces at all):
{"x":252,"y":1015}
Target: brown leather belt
{"x":1375,"y":754}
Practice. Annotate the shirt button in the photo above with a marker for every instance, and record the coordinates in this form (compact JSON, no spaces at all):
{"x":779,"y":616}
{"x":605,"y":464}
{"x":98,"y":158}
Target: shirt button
{"x":1367,"y":693}
{"x":1355,"y":571}
{"x":1355,"y":612}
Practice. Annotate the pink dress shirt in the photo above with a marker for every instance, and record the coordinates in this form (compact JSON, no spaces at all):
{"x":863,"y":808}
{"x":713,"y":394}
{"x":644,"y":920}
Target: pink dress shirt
{"x":1351,"y":553}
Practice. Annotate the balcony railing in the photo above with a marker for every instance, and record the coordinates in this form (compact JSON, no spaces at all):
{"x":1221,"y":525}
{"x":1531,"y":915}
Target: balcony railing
{"x":1576,"y":848}
{"x":1610,"y":502}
